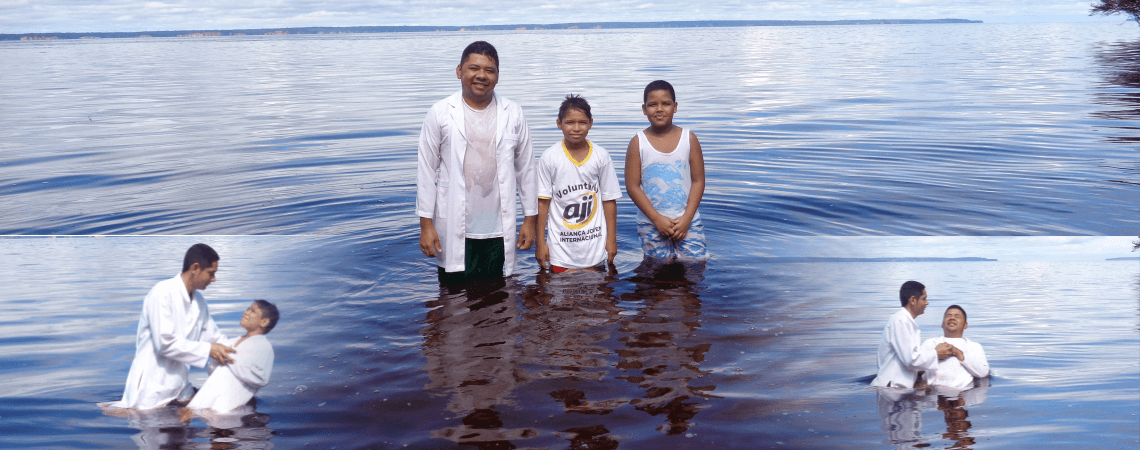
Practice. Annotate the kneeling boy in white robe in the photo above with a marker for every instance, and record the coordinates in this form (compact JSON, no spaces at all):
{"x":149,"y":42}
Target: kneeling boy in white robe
{"x":233,"y":385}
{"x":967,"y":361}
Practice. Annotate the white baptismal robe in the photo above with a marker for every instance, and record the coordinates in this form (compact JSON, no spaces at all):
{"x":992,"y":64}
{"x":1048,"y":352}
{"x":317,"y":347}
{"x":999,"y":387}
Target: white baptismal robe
{"x":900,"y":354}
{"x":232,"y":385}
{"x":954,"y":373}
{"x":175,"y":331}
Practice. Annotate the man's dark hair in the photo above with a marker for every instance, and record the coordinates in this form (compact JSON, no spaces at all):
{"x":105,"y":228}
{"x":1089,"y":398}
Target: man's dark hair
{"x":268,"y":311}
{"x":576,"y":102}
{"x":480,"y":48}
{"x":959,"y":308}
{"x":657,"y":86}
{"x":201,"y":254}
{"x":910,"y":289}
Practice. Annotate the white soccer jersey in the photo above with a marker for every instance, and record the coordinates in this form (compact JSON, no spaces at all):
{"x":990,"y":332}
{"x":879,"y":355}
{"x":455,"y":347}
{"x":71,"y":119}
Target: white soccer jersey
{"x":575,"y":224}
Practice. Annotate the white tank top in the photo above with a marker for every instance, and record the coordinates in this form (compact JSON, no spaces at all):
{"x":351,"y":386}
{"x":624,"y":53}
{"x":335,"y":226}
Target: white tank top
{"x":665,"y":177}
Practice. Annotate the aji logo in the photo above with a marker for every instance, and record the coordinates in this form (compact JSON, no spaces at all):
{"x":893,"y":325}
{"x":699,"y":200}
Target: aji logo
{"x":581,"y":211}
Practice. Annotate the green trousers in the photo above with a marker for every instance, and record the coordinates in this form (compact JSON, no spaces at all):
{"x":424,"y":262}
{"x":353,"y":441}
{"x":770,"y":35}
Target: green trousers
{"x":483,"y":258}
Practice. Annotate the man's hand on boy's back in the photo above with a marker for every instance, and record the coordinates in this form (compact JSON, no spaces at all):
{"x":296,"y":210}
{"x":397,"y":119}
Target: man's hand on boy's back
{"x":220,"y":352}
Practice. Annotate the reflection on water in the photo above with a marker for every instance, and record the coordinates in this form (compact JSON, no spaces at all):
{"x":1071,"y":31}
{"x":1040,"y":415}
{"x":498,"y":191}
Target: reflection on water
{"x":484,"y":342}
{"x":663,"y":349}
{"x":162,"y":428}
{"x":1120,"y":68}
{"x":737,"y":355}
{"x":472,"y":357}
{"x":901,"y":412}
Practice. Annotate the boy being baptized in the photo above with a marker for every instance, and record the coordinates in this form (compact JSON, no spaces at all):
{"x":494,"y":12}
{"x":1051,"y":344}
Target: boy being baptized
{"x":233,"y":385}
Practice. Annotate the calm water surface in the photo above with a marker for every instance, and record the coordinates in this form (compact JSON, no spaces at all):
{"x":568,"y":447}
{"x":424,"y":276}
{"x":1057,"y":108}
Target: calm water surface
{"x":873,"y":130}
{"x":294,"y":157}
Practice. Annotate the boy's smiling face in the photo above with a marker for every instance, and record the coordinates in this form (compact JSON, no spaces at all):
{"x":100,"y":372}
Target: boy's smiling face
{"x":659,"y":108}
{"x":575,"y":126}
{"x":251,"y":320}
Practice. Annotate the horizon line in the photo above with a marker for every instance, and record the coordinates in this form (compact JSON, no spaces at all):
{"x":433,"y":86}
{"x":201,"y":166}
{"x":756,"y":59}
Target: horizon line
{"x":712,"y":23}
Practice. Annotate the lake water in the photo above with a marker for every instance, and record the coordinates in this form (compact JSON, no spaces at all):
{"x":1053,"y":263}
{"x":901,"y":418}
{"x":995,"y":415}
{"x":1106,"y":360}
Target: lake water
{"x":294,"y":157}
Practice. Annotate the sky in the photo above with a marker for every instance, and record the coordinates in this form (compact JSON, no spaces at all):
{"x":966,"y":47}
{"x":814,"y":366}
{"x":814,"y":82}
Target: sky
{"x":45,"y":16}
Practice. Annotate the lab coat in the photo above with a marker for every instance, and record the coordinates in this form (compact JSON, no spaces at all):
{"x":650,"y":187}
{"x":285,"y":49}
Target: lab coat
{"x":232,"y":385}
{"x":175,"y":331}
{"x":954,"y":373}
{"x":900,"y":353}
{"x":441,"y":187}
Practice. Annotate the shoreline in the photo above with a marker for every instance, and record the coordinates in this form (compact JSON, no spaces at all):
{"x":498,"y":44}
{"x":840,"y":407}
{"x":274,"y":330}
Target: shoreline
{"x":428,"y":28}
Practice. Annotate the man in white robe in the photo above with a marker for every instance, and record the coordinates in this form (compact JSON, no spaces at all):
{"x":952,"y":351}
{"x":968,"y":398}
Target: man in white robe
{"x":900,"y":356}
{"x":475,"y":153}
{"x":966,"y":361}
{"x":175,"y":332}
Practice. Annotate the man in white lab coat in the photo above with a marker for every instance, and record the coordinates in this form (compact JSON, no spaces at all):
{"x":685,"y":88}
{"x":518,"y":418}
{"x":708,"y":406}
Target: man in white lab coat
{"x":901,"y":358}
{"x":474,"y":152}
{"x":175,"y":332}
{"x":967,"y":359}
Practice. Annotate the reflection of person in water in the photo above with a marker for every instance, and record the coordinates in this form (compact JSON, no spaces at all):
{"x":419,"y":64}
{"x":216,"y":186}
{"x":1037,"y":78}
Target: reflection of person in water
{"x":567,"y":316}
{"x":967,"y":360}
{"x":901,"y":412}
{"x":656,"y":356}
{"x":469,"y":344}
{"x":161,"y":428}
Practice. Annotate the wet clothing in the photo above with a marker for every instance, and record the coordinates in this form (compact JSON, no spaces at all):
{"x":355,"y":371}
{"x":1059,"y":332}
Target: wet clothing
{"x":175,"y":332}
{"x":232,"y":385}
{"x":953,"y":373}
{"x":666,"y":180}
{"x":690,"y":248}
{"x":576,"y":225}
{"x":483,"y":259}
{"x":441,"y":184}
{"x":900,"y":353}
{"x":480,"y":173}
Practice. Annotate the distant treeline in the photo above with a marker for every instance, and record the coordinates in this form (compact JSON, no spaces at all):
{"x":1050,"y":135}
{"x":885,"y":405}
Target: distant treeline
{"x":405,"y":29}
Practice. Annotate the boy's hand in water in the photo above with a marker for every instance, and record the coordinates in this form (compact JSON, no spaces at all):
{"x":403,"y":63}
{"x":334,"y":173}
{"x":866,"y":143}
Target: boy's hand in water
{"x":220,"y":353}
{"x":541,"y":253}
{"x":611,"y":251}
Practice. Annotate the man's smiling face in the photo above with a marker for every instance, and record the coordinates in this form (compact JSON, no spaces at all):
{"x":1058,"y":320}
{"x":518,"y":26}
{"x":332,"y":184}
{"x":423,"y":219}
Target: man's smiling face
{"x":479,"y":74}
{"x":953,"y":323}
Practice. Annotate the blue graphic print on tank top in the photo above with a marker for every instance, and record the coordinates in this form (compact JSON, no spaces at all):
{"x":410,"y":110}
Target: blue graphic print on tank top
{"x":665,"y":177}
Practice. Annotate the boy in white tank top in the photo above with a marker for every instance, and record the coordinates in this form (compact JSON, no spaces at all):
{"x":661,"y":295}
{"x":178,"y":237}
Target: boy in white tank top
{"x":577,"y":196}
{"x":665,"y":178}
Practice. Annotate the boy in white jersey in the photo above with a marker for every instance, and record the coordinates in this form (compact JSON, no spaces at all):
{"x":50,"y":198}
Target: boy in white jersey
{"x":575,"y":177}
{"x":665,"y":178}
